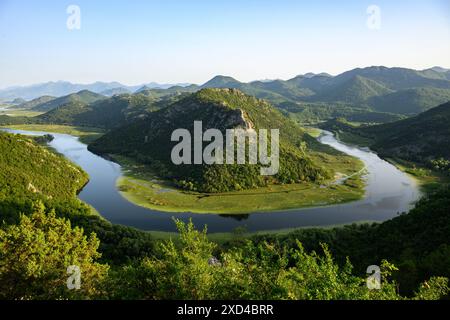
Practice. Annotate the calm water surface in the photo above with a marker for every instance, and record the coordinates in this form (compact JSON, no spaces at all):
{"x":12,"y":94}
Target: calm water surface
{"x":388,"y":192}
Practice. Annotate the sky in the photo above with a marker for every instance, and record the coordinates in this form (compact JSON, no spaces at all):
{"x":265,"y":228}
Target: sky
{"x":170,"y":41}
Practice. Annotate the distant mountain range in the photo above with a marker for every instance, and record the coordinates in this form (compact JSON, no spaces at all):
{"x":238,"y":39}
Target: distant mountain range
{"x":62,"y":88}
{"x":34,"y":103}
{"x":373,"y":94}
{"x":375,"y":89}
{"x":84,"y":96}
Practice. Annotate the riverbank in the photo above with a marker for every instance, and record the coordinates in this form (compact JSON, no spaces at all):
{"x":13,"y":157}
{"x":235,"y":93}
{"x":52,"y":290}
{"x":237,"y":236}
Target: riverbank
{"x":143,"y":188}
{"x":19,"y":112}
{"x":428,"y":180}
{"x":84,"y":134}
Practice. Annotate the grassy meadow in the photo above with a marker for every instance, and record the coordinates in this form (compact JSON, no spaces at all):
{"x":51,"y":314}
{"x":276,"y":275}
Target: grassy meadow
{"x":143,"y":188}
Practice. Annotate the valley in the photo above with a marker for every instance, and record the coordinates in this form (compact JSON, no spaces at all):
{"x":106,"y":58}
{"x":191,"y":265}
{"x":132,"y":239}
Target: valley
{"x":417,"y":145}
{"x":241,"y":153}
{"x":127,"y":127}
{"x":330,"y":188}
{"x":232,"y":210}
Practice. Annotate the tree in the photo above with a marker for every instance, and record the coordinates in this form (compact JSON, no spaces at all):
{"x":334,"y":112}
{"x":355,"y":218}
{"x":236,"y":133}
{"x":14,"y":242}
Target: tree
{"x":35,"y":255}
{"x":189,"y":269}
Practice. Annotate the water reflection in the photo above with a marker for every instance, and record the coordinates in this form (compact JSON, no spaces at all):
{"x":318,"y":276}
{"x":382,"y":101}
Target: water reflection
{"x":238,"y":217}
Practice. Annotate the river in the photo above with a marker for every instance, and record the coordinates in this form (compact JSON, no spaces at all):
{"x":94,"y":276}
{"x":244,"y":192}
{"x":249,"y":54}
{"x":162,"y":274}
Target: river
{"x":388,"y":192}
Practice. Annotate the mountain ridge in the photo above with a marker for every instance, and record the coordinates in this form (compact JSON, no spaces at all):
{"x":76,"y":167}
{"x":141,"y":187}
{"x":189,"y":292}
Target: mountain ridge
{"x":369,"y":94}
{"x":83,"y":96}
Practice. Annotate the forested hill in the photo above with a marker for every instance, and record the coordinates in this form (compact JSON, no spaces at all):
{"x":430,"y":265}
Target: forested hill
{"x":30,"y":170}
{"x":149,"y":141}
{"x":34,"y":103}
{"x":84,"y":96}
{"x":420,"y":138}
{"x":106,"y":113}
{"x":356,"y":90}
{"x":31,"y":175}
{"x":410,"y":101}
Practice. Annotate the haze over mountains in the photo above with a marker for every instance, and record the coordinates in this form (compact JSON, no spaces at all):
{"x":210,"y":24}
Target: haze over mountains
{"x":62,"y":88}
{"x":397,"y":78}
{"x":369,"y":95}
{"x":373,"y":89}
{"x":84,"y":96}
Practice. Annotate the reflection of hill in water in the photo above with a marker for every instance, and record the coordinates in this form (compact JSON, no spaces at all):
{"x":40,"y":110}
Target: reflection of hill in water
{"x":238,"y":217}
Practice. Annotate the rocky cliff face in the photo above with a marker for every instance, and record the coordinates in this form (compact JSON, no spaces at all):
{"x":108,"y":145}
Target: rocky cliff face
{"x":239,"y":119}
{"x":213,"y":114}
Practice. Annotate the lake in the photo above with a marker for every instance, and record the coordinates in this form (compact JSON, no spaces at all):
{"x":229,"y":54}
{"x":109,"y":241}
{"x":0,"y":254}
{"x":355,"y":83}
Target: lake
{"x":388,"y":192}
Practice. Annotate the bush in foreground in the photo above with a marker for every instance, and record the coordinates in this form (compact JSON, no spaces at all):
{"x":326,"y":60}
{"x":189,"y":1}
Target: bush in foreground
{"x":190,"y":271}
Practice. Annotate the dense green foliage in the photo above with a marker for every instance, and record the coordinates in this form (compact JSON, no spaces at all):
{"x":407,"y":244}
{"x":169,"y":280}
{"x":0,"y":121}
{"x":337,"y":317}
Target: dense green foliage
{"x":35,"y":255}
{"x":37,"y":247}
{"x":441,"y":165}
{"x":27,"y":169}
{"x":42,"y":246}
{"x":30,"y":172}
{"x":189,"y":270}
{"x":45,"y":246}
{"x":118,"y":244}
{"x":149,"y":141}
{"x":418,"y":243}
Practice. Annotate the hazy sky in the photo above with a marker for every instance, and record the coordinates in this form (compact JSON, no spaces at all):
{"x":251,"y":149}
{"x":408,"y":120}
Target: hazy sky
{"x":190,"y":41}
